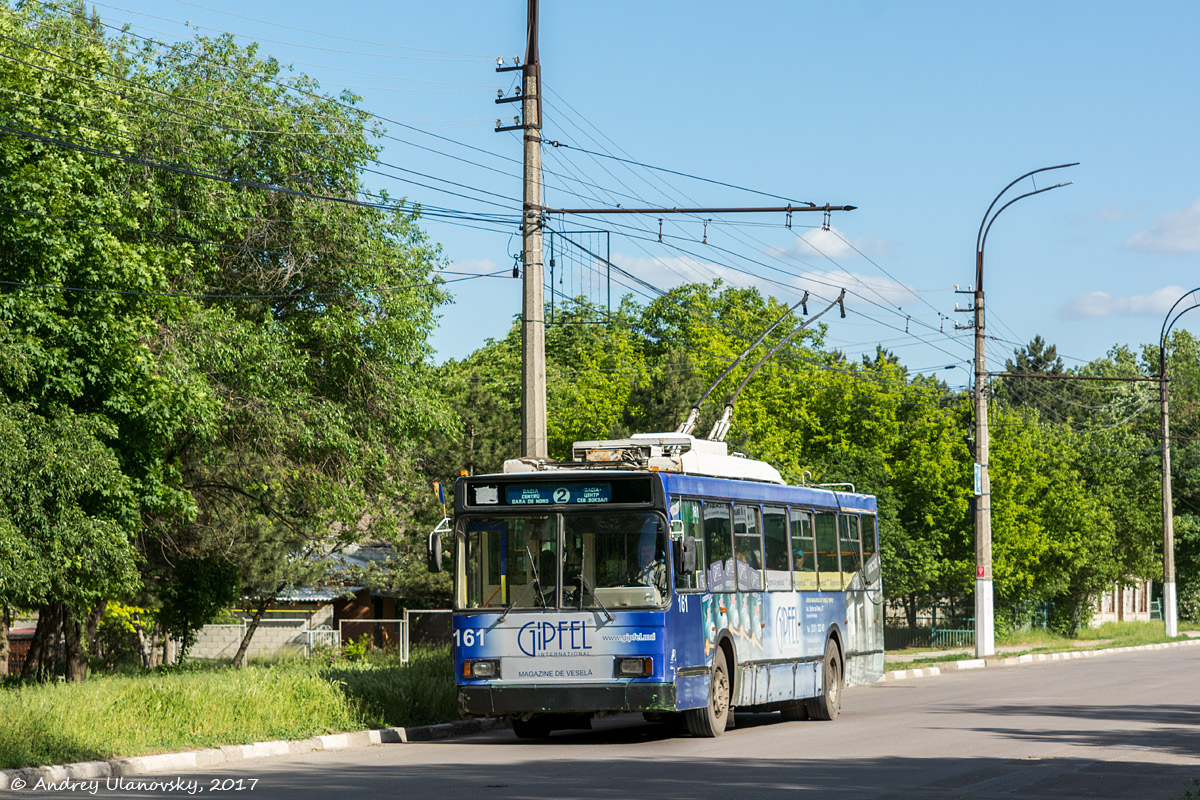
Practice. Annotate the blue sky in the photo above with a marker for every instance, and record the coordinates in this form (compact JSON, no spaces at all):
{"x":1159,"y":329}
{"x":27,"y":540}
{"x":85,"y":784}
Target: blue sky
{"x":917,"y":113}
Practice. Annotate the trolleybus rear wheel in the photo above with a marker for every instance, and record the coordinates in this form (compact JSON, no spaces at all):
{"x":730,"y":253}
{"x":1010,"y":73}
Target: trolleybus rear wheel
{"x":711,"y":720}
{"x":829,"y":703}
{"x":795,"y":712}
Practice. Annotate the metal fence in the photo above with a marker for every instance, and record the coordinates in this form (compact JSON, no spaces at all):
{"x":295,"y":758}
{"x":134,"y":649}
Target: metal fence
{"x":388,"y":635}
{"x":930,"y":631}
{"x":428,"y":625}
{"x":323,"y":636}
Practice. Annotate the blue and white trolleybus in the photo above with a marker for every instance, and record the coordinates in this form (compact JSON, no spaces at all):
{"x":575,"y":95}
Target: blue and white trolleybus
{"x":663,"y":575}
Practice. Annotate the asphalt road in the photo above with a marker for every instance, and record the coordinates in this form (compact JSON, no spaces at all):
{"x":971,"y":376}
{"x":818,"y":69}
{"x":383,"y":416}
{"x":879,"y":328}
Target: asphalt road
{"x":1117,"y":726}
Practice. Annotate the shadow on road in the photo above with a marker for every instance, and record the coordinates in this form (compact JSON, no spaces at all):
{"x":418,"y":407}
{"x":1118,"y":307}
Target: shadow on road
{"x":633,"y":776}
{"x":1159,"y":728}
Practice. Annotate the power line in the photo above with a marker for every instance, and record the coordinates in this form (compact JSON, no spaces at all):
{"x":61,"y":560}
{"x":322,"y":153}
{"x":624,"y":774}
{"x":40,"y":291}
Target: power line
{"x":269,"y":296}
{"x":207,"y":123}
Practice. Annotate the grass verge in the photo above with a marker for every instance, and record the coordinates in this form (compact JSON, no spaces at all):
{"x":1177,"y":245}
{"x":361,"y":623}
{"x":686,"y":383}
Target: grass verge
{"x":167,"y":710}
{"x":1108,"y":635}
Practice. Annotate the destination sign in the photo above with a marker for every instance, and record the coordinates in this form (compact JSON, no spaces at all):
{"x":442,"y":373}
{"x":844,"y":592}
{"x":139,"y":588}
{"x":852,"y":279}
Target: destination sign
{"x":545,"y":494}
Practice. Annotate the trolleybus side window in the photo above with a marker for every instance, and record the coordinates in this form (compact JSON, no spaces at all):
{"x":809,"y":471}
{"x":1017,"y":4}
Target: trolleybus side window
{"x":689,"y":515}
{"x":851,"y":555}
{"x":747,"y":548}
{"x":775,"y":549}
{"x":828,"y":568}
{"x":804,"y":557}
{"x":868,"y":536}
{"x":718,"y":548}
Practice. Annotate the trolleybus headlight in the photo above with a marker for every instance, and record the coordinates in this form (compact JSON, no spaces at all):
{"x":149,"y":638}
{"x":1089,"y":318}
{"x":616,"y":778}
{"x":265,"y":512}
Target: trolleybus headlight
{"x":633,"y":667}
{"x":481,"y":669}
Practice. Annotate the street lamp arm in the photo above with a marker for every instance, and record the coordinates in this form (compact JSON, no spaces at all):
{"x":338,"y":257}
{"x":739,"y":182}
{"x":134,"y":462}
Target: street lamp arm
{"x":983,"y":241}
{"x":1167,"y":331}
{"x":1162,"y":334}
{"x":980,"y":237}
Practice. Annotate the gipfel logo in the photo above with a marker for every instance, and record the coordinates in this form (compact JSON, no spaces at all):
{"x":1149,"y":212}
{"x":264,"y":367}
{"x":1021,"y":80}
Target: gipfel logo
{"x":545,"y":638}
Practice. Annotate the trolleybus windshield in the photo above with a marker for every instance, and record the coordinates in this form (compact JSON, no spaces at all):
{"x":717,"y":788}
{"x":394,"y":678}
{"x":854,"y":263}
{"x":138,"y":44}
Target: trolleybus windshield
{"x":603,"y":560}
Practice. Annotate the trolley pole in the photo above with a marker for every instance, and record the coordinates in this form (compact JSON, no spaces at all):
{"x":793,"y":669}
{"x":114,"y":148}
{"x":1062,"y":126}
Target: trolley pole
{"x":985,"y":621}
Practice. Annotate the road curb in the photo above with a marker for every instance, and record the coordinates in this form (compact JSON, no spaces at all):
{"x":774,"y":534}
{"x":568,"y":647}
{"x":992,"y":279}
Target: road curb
{"x":196,"y":759}
{"x":1013,"y":661}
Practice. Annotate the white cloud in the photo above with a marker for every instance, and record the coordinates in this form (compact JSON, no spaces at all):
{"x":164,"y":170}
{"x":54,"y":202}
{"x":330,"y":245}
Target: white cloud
{"x":1174,"y":232}
{"x":860,"y":289}
{"x":1099,"y":305}
{"x":832,"y":244}
{"x":1116,"y":213}
{"x":669,"y":271}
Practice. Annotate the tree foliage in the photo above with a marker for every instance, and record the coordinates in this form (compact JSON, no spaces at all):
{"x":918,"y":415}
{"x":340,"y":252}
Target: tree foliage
{"x":200,"y":289}
{"x":1072,"y":492}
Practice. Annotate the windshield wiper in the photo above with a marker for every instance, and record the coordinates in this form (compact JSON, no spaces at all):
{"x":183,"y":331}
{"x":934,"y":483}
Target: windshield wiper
{"x":525,"y":591}
{"x":583,"y":584}
{"x":536,"y":581}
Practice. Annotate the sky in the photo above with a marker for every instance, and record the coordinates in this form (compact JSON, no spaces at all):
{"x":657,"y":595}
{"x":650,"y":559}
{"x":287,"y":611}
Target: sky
{"x":916,"y":113}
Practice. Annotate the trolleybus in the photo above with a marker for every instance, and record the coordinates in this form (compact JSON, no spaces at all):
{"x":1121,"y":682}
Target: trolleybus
{"x":660,"y":574}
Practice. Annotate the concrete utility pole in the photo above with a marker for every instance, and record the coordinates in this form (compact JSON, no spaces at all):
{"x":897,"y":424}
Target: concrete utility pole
{"x":985,"y":623}
{"x":1170,"y":609}
{"x":985,"y":613}
{"x":1170,"y":619}
{"x":533,"y":312}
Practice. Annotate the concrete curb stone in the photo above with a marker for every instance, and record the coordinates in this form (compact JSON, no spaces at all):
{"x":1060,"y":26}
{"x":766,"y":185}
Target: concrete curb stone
{"x":197,"y":759}
{"x":1012,"y":661}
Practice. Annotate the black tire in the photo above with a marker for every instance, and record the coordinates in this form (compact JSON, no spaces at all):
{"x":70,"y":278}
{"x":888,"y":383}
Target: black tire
{"x":533,"y":728}
{"x":710,"y":721}
{"x":829,"y":703}
{"x":797,"y":712}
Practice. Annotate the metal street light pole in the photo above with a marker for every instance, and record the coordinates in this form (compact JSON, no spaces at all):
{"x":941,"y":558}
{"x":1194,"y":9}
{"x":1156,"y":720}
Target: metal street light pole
{"x":1170,"y":604}
{"x":985,"y":624}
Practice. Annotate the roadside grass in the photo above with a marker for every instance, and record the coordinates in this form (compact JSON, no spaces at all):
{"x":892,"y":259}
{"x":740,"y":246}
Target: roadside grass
{"x":1108,"y":635}
{"x":178,"y":709}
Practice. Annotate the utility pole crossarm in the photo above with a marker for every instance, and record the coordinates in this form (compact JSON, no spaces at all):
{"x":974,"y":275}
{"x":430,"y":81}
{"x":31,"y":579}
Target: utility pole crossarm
{"x":743,"y":210}
{"x":1035,"y":376}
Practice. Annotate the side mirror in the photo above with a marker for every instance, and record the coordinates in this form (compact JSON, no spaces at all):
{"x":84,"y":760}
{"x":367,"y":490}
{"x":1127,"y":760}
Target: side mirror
{"x":685,"y":555}
{"x":685,"y":549}
{"x":688,"y":556}
{"x":435,"y":552}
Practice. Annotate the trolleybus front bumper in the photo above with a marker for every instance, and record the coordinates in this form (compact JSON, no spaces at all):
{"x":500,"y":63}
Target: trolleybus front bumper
{"x":489,"y":701}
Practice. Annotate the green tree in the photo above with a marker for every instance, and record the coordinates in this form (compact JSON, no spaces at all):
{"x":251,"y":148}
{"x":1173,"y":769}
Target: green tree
{"x":79,"y":322}
{"x":247,"y":324}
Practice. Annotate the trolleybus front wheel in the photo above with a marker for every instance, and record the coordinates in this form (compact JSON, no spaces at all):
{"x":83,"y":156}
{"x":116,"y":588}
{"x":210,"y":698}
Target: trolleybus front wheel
{"x":710,"y":721}
{"x":536,"y":727}
{"x":829,"y":703}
